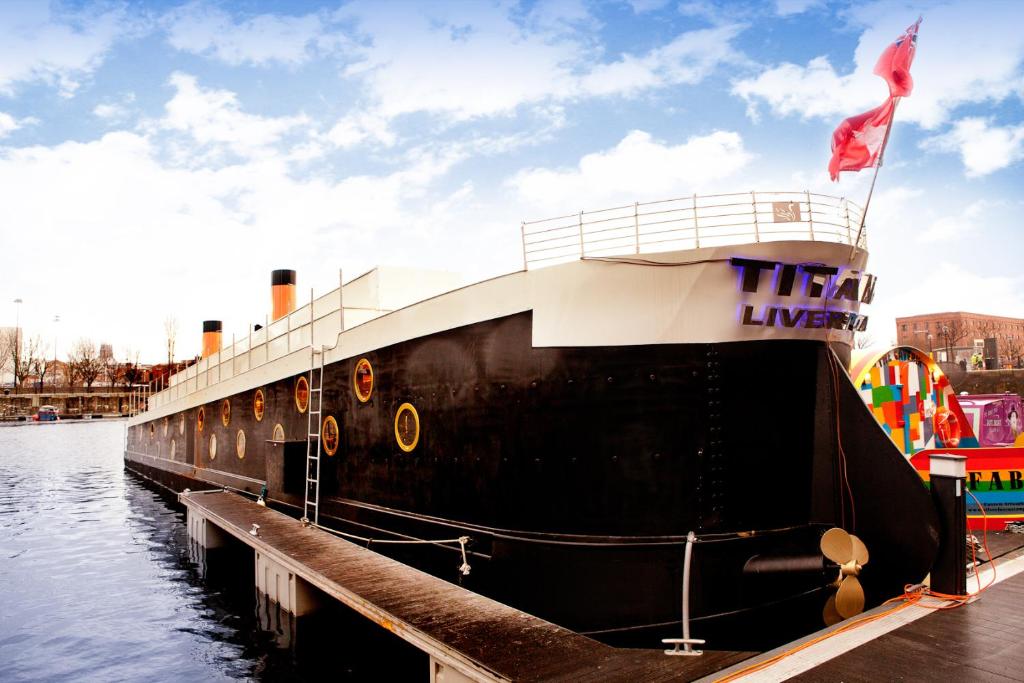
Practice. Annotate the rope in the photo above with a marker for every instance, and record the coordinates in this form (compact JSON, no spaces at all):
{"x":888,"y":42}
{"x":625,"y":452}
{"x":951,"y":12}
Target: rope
{"x":464,"y":568}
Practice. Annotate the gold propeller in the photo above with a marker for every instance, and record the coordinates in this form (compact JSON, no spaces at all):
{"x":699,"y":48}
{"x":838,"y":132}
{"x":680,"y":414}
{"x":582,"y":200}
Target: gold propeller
{"x":850,"y":553}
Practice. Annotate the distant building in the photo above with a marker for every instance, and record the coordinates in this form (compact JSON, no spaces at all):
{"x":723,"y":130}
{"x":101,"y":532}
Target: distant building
{"x":955,"y":336}
{"x":106,"y":351}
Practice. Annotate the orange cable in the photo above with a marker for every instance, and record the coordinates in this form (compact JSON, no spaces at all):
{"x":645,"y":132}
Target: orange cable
{"x":911,"y":596}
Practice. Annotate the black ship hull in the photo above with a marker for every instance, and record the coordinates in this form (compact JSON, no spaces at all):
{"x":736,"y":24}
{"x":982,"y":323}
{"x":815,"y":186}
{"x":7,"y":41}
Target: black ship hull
{"x":577,"y":473}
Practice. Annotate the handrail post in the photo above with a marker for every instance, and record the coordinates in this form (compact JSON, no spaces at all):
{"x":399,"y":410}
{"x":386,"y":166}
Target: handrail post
{"x":846,"y":210}
{"x":753,"y":206}
{"x":522,"y":234}
{"x":696,"y":227}
{"x":341,"y":299}
{"x":636,"y":225}
{"x":583,"y":251}
{"x":810,"y":214}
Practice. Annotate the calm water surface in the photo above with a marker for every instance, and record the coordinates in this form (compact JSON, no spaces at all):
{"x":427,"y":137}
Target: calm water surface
{"x":98,"y":582}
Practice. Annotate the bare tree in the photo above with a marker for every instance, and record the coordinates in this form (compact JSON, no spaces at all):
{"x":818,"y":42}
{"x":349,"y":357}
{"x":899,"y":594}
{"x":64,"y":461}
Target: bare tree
{"x":112,"y":370}
{"x":952,"y":331}
{"x":86,"y":361}
{"x":171,"y":328}
{"x":131,"y":374}
{"x":37,"y":363}
{"x":863,"y":340}
{"x":21,"y":354}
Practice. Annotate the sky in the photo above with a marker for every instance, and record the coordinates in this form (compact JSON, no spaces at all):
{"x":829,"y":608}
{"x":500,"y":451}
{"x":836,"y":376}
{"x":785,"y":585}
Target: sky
{"x":161,"y":158}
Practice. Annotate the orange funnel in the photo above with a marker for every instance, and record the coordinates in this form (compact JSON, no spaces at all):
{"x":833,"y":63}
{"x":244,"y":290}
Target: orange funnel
{"x":211,"y":337}
{"x":282,"y":293}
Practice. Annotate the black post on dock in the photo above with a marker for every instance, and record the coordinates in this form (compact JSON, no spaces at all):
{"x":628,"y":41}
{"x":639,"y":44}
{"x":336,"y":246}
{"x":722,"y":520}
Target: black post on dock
{"x":948,"y":474}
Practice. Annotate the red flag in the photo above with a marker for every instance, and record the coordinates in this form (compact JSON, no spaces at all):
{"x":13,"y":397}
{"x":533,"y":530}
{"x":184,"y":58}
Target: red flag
{"x":857,"y":142}
{"x":894,"y":64}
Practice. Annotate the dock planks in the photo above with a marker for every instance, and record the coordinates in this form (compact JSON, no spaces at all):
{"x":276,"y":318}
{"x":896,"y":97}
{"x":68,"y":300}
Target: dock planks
{"x":978,"y":642}
{"x":450,"y":623}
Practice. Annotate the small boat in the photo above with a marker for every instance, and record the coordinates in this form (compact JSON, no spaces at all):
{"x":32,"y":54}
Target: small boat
{"x":47,"y":414}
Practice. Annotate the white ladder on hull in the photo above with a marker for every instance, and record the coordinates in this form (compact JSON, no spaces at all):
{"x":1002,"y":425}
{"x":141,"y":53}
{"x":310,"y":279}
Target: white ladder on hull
{"x":313,"y":440}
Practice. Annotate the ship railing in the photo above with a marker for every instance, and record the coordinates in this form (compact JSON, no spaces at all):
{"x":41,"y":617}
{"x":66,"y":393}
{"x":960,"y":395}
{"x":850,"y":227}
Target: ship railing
{"x":315,"y":324}
{"x":691,"y":222}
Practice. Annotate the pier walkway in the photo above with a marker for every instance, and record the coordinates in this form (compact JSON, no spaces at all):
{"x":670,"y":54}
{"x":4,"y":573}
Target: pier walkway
{"x":980,"y":641}
{"x":474,"y":636}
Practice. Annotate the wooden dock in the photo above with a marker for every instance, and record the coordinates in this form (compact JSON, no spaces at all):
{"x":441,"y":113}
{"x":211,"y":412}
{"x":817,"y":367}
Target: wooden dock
{"x":470,"y":635}
{"x":979,"y":641}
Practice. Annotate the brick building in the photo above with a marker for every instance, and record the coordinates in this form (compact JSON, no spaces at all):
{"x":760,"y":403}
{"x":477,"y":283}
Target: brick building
{"x":955,"y":336}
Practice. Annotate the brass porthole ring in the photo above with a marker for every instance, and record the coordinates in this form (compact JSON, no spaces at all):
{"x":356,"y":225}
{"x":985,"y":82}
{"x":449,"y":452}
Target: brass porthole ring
{"x":407,"y":427}
{"x":302,"y":394}
{"x":225,"y":412}
{"x":331,"y":435}
{"x":259,"y":404}
{"x":201,"y":418}
{"x":362,"y":380}
{"x":240,"y":444}
{"x":213,"y":446}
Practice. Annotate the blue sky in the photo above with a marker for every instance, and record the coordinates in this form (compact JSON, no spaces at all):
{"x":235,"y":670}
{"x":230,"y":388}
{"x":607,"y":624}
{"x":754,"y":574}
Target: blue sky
{"x":161,"y":158}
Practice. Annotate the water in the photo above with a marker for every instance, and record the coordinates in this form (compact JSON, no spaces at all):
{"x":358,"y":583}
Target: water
{"x":98,"y":582}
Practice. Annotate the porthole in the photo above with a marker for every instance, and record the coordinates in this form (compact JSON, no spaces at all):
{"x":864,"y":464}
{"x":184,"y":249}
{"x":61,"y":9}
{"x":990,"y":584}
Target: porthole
{"x":181,"y":424}
{"x":213,"y":446}
{"x":362,"y":380}
{"x":173,"y":449}
{"x":331,"y":435}
{"x":201,"y":418}
{"x":407,"y":427}
{"x":225,"y":412}
{"x":301,"y":394}
{"x":152,"y":429}
{"x":259,"y":404}
{"x":167,"y":425}
{"x":278,"y":434}
{"x":240,"y":444}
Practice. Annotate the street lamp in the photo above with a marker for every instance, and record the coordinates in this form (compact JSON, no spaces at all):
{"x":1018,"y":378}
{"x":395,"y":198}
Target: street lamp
{"x":53,"y":380}
{"x":17,"y":341}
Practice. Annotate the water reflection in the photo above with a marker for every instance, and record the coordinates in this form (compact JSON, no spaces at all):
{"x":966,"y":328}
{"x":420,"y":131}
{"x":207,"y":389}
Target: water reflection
{"x":101,"y":582}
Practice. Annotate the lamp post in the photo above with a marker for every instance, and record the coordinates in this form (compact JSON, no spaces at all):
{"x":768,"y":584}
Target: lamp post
{"x":931,"y":345}
{"x":53,"y":380}
{"x":17,"y":341}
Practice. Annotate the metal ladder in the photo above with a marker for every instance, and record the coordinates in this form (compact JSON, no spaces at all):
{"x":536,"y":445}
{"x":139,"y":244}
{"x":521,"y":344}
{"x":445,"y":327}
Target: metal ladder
{"x":315,"y":408}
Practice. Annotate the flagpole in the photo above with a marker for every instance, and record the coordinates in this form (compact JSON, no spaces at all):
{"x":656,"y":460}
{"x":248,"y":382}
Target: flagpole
{"x":871,"y":190}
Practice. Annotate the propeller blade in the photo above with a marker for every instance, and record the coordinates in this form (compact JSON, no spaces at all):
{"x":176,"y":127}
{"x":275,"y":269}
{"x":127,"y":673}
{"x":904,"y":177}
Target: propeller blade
{"x":830,"y":615}
{"x":850,"y":597}
{"x":860,"y":551}
{"x":837,"y":546}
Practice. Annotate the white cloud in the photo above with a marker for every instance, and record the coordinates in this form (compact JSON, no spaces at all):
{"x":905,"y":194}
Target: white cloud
{"x":786,"y":8}
{"x":38,"y":43}
{"x":966,"y":225}
{"x":641,"y":6}
{"x":112,"y":110}
{"x":8,"y":124}
{"x":689,"y":59}
{"x":202,"y":29}
{"x":964,"y":55}
{"x":638,"y":167}
{"x":484,"y":63}
{"x":209,"y":230}
{"x":214,"y":117}
{"x":982,"y":147}
{"x":358,"y":127}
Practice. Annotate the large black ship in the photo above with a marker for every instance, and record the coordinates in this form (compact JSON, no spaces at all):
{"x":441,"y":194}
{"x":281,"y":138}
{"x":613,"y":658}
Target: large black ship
{"x":673,"y":368}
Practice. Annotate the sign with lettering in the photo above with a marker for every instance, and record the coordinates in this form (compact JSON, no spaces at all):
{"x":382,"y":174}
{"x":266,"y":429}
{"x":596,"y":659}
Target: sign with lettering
{"x":803,"y":281}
